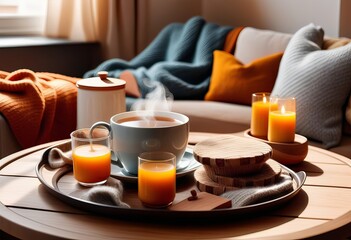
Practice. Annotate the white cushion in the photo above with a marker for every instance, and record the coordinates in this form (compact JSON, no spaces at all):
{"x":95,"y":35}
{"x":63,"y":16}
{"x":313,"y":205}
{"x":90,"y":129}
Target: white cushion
{"x":255,"y":43}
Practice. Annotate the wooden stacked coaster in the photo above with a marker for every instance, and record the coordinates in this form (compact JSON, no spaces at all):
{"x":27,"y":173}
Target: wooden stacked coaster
{"x":269,"y":174}
{"x":231,"y":162}
{"x":228,"y":155}
{"x":206,"y":184}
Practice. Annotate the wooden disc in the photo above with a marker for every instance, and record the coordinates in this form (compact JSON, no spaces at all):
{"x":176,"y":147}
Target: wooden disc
{"x":271,"y":168}
{"x":268,"y":174}
{"x":231,"y":151}
{"x":205,"y":184}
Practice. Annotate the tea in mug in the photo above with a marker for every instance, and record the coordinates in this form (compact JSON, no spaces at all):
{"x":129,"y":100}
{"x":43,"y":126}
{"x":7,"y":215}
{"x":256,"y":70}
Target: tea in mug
{"x":149,"y":122}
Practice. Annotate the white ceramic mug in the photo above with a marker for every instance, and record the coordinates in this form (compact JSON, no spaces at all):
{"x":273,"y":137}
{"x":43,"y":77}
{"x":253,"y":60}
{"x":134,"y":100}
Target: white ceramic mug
{"x":131,"y":135}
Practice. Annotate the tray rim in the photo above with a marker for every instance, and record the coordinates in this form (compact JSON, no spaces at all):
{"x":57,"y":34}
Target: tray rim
{"x":135,"y":213}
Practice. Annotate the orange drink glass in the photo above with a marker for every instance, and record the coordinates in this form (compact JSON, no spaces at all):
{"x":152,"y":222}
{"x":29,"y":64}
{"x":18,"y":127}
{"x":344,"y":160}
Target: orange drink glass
{"x":91,"y":156}
{"x":156,"y":179}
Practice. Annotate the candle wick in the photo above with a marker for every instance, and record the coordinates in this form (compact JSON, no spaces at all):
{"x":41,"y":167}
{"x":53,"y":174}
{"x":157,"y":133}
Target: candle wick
{"x":91,"y":145}
{"x":283,"y":110}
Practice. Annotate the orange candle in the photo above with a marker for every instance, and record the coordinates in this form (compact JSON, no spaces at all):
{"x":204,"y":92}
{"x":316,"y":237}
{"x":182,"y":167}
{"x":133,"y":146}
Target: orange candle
{"x":281,"y":126}
{"x":91,"y":163}
{"x":156,"y":183}
{"x":259,"y":114}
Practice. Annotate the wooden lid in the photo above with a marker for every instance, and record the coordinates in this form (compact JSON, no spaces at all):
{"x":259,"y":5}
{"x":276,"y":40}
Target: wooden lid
{"x":101,"y":83}
{"x":231,"y":151}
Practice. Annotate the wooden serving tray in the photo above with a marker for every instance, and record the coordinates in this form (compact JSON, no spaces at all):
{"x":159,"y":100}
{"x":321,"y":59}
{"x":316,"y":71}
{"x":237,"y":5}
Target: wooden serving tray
{"x":61,"y":183}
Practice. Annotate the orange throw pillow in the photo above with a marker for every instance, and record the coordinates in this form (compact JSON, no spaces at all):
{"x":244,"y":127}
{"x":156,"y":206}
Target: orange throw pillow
{"x":233,"y":82}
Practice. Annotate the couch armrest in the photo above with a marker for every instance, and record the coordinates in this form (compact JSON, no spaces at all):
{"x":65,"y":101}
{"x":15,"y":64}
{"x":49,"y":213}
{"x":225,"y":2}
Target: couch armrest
{"x":8,"y":142}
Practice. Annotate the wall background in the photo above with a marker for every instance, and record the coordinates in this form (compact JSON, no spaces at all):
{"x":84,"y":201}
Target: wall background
{"x":75,"y":58}
{"x":279,"y":15}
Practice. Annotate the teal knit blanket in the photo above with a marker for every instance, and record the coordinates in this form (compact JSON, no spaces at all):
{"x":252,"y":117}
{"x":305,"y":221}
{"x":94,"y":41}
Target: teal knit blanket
{"x":180,"y":58}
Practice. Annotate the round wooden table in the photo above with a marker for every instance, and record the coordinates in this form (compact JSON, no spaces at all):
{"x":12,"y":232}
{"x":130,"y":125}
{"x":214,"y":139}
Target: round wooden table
{"x":321,"y":209}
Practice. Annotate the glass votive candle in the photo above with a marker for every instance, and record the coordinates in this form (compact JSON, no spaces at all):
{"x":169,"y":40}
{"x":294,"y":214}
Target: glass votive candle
{"x":259,"y":114}
{"x":156,"y":179}
{"x":91,"y":156}
{"x":282,"y":120}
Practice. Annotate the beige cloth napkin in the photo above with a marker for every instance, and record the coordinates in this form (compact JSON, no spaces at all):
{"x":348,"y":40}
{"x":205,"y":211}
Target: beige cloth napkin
{"x":108,"y":194}
{"x":254,"y":195}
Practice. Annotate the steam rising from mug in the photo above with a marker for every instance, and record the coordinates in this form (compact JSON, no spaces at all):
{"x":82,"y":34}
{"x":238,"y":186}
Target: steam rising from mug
{"x":158,"y":99}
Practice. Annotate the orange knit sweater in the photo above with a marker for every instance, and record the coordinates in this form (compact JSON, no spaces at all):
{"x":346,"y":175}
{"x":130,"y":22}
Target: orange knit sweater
{"x":39,"y":107}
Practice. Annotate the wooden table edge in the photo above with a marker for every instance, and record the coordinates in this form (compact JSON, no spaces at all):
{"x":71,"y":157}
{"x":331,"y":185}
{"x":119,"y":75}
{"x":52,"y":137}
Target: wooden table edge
{"x":324,"y":228}
{"x":29,"y":229}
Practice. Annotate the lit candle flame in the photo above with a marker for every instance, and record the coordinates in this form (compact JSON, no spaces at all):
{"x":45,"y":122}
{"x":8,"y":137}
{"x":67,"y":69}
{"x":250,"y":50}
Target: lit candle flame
{"x":264,"y":99}
{"x":282,"y":110}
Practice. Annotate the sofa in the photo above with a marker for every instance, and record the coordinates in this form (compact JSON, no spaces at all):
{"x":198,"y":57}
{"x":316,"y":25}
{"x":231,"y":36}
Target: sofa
{"x":230,"y":113}
{"x":223,"y":110}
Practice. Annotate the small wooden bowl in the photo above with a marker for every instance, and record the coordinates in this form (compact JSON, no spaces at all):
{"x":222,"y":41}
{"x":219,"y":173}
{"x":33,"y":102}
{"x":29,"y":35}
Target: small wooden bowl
{"x":228,"y":155}
{"x":286,"y":153}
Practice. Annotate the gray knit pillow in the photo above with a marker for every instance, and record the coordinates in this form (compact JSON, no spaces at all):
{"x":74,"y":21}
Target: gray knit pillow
{"x":320,"y":80}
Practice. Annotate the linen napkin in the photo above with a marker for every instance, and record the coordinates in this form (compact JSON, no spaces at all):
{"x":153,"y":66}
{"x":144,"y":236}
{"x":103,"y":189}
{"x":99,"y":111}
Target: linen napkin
{"x":58,"y":158}
{"x":110,"y":193}
{"x":254,"y":195}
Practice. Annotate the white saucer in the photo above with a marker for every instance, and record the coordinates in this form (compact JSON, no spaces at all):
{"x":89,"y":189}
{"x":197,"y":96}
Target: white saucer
{"x":188,"y":165}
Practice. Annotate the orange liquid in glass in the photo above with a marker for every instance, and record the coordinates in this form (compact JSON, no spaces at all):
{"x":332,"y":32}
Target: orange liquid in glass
{"x":91,"y":163}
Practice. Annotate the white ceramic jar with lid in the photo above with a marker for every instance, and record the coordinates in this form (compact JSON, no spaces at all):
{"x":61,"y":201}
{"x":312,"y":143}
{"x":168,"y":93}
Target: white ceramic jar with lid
{"x":99,"y":98}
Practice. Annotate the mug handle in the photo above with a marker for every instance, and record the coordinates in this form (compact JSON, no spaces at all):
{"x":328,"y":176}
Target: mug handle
{"x":98,"y":124}
{"x":108,"y":127}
